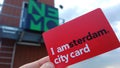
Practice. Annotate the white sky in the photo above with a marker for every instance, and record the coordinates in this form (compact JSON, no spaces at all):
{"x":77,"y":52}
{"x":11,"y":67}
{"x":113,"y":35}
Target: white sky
{"x":111,"y":8}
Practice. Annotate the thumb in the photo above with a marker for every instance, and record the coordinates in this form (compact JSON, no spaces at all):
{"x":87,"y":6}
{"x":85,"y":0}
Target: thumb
{"x":48,"y":65}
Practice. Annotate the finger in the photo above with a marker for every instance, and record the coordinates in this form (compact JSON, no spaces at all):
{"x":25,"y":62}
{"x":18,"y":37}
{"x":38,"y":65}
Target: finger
{"x":48,"y":65}
{"x":43,"y":60}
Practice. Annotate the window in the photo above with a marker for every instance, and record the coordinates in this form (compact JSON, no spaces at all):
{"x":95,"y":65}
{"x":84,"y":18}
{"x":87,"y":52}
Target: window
{"x":1,"y":3}
{"x":23,"y":14}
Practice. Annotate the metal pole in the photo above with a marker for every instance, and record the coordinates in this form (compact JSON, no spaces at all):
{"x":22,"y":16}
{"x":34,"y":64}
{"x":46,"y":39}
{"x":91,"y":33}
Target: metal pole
{"x":13,"y":55}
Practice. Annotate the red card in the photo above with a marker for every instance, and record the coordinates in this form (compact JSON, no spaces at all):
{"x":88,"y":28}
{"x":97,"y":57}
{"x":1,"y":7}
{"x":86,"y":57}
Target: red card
{"x":80,"y":39}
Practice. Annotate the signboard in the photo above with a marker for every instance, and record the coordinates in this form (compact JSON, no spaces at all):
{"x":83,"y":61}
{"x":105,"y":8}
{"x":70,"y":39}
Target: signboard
{"x":41,"y":17}
{"x":80,"y":39}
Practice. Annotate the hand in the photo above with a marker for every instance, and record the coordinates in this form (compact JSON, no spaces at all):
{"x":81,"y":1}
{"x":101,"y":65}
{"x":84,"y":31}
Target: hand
{"x":41,"y":63}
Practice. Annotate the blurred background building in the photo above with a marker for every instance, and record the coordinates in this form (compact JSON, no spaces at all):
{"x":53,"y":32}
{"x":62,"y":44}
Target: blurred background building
{"x":18,"y":45}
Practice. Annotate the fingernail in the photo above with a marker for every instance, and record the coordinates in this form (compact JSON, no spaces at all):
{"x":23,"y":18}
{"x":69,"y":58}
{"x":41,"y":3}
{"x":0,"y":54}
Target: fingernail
{"x":48,"y":65}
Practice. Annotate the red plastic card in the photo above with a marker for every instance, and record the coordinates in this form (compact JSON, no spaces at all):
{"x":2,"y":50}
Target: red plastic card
{"x":80,"y":39}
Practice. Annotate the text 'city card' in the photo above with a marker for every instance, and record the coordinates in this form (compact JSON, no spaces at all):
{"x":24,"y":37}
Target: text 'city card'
{"x":79,"y":39}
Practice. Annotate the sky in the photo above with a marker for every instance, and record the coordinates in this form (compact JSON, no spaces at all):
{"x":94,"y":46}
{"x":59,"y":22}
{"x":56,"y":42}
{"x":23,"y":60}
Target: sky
{"x":111,"y":9}
{"x":75,"y":8}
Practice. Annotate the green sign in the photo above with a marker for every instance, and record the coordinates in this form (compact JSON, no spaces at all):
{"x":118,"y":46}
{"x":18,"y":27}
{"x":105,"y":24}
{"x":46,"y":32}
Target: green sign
{"x":41,"y":17}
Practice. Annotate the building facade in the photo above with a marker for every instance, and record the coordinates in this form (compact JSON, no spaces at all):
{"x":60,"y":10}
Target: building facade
{"x":14,"y":49}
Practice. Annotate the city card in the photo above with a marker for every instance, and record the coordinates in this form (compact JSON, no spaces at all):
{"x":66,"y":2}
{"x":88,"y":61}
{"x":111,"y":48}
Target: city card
{"x":79,"y":39}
